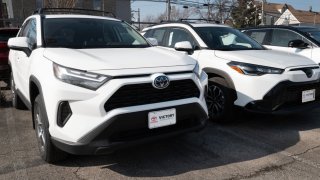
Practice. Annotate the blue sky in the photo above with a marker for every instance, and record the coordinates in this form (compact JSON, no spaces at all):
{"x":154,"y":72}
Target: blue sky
{"x":154,"y":9}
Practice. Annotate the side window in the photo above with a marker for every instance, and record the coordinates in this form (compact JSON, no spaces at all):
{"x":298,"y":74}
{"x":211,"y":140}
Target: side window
{"x":261,"y":36}
{"x":177,"y":35}
{"x":148,"y":33}
{"x":32,"y":33}
{"x":29,"y":30}
{"x":281,"y":37}
{"x":159,"y":35}
{"x":24,"y":29}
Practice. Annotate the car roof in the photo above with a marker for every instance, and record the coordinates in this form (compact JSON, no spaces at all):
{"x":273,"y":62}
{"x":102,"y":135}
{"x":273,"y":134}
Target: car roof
{"x":278,"y":27}
{"x":184,"y":24}
{"x":79,"y":16}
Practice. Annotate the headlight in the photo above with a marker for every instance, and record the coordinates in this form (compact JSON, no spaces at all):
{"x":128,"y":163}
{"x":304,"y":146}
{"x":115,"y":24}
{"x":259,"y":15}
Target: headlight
{"x":197,"y":70}
{"x":79,"y":78}
{"x":253,"y":70}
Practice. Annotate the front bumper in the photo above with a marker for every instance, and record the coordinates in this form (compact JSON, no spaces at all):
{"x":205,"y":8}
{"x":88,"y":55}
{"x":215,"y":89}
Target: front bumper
{"x":132,"y":128}
{"x":285,"y":98}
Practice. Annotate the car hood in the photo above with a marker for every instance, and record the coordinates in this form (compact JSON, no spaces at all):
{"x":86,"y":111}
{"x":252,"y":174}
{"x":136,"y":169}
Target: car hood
{"x":269,"y":58}
{"x":117,"y":58}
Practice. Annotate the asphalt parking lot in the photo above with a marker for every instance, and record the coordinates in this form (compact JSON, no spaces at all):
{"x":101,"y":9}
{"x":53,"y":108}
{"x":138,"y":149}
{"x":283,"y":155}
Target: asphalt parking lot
{"x":254,"y":147}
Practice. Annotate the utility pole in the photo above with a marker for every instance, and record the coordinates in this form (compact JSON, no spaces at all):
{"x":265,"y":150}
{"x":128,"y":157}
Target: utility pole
{"x":168,"y":10}
{"x":102,"y":7}
{"x":262,"y":13}
{"x":208,"y":12}
{"x":139,"y":19}
{"x":220,"y":13}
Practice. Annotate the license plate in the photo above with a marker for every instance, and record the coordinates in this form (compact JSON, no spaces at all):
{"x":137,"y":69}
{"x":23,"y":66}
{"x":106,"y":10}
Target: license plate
{"x":308,"y":95}
{"x":162,"y":118}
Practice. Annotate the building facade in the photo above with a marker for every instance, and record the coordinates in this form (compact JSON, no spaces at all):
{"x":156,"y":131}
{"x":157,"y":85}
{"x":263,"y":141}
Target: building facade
{"x":299,"y":18}
{"x":18,"y":10}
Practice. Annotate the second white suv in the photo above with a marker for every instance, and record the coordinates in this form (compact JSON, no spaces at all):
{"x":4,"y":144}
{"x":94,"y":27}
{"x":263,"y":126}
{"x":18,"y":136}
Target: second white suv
{"x":94,"y":85}
{"x":241,"y":71}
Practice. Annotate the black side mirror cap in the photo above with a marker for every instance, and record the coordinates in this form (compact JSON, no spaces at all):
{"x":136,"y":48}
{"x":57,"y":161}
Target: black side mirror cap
{"x":298,"y":44}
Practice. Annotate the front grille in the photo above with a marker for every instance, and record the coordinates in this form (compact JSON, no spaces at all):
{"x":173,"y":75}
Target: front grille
{"x":290,"y":94}
{"x":140,"y":94}
{"x":294,"y":93}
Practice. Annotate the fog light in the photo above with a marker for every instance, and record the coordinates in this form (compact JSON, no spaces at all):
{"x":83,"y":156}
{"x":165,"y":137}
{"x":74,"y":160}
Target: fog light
{"x":64,"y":113}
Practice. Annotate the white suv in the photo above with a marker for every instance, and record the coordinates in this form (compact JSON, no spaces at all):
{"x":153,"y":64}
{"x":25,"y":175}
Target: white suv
{"x":241,"y":72}
{"x":94,"y":85}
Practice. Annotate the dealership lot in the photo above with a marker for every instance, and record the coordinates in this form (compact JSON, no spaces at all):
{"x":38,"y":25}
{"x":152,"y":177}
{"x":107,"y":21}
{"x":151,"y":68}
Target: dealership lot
{"x":255,"y":147}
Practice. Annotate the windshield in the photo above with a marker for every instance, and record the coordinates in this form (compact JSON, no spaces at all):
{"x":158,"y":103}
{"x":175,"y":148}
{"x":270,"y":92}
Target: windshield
{"x":227,"y":39}
{"x":313,"y":32}
{"x":83,"y":33}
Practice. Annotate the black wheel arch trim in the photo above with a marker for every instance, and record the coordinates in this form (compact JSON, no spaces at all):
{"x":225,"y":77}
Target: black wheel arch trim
{"x":24,"y":99}
{"x":224,"y":75}
{"x":34,"y":80}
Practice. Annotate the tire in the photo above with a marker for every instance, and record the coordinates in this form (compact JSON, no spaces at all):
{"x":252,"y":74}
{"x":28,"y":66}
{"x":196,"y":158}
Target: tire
{"x":219,"y":100}
{"x":48,"y":151}
{"x":16,"y":100}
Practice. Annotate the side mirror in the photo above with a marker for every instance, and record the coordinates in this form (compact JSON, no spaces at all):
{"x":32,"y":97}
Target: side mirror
{"x":153,"y":41}
{"x":20,"y":44}
{"x":298,"y":44}
{"x":184,"y":46}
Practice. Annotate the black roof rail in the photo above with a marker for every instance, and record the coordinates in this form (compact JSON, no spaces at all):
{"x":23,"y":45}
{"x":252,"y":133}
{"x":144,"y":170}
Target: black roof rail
{"x":43,"y":11}
{"x":168,"y":22}
{"x":206,"y":20}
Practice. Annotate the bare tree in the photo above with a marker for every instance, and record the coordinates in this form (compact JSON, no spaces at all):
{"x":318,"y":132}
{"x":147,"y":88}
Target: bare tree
{"x":61,"y":3}
{"x":216,"y":9}
{"x":176,"y":14}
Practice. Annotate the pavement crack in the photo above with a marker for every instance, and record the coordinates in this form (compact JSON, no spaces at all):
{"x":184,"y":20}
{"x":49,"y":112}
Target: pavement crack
{"x":261,"y":171}
{"x":306,"y":151}
{"x":77,"y":170}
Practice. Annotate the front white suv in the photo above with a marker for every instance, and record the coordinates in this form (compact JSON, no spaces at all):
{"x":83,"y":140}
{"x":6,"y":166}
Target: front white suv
{"x":94,"y":85}
{"x":241,"y":71}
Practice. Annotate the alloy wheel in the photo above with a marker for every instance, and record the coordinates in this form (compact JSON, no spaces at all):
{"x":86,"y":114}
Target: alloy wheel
{"x":40,"y":131}
{"x":215,"y":100}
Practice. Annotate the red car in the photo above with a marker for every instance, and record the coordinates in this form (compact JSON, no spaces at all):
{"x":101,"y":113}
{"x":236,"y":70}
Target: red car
{"x":5,"y":34}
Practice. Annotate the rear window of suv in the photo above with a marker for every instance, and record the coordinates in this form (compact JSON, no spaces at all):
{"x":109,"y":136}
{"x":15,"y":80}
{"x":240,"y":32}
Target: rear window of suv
{"x":81,"y":33}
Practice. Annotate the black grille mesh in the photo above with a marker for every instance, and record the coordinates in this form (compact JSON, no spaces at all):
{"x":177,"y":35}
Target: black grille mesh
{"x":140,"y":94}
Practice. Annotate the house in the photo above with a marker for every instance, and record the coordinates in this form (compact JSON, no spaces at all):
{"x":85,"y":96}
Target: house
{"x":299,"y":17}
{"x":273,"y":11}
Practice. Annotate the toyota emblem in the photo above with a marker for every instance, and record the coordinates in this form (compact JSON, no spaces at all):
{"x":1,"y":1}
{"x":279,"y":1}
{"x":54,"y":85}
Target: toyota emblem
{"x":160,"y":81}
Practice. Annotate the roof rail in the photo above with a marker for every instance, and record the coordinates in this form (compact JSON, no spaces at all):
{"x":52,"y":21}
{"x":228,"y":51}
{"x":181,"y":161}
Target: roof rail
{"x":178,"y":21}
{"x":206,"y":20}
{"x":43,"y":11}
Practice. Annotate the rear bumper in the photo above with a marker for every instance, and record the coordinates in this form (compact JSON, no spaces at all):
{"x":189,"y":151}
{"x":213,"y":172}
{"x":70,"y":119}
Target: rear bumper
{"x":286,"y":98}
{"x":132,"y":128}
